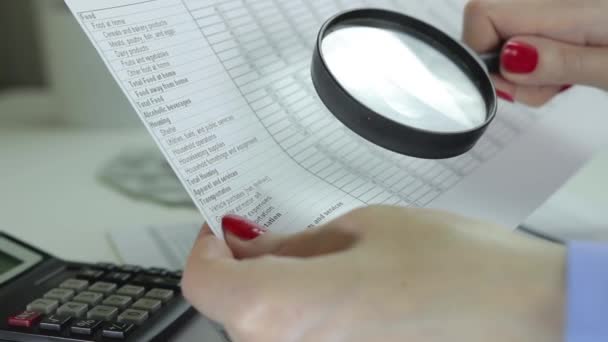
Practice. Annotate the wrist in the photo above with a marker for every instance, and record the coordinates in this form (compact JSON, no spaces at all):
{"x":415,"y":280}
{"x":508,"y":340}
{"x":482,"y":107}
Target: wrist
{"x":551,"y":294}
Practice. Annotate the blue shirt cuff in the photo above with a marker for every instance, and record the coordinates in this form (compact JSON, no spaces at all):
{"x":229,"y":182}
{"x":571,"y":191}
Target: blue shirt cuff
{"x":587,"y":287}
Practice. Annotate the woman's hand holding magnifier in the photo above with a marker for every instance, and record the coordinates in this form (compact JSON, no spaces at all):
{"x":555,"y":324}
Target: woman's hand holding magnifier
{"x":550,"y":44}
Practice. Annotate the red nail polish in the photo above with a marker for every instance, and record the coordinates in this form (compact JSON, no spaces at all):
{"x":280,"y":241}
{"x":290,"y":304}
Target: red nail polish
{"x":519,"y":58}
{"x":565,"y":88}
{"x":241,"y":227}
{"x":504,"y":95}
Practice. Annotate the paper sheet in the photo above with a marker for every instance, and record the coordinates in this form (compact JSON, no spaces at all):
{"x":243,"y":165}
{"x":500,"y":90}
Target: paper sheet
{"x":224,"y":88}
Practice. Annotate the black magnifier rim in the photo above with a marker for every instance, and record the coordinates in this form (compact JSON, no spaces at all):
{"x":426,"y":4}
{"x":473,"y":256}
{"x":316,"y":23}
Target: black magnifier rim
{"x":372,"y":126}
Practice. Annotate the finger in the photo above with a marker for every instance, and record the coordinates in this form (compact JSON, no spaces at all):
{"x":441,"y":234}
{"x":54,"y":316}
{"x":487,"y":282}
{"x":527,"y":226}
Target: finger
{"x":324,"y":240}
{"x":534,"y":96}
{"x":247,"y":249}
{"x":487,"y":23}
{"x":208,"y":246}
{"x":317,"y":242}
{"x":200,"y":282}
{"x":479,"y":31}
{"x":504,"y":89}
{"x":220,"y":286}
{"x":539,"y":61}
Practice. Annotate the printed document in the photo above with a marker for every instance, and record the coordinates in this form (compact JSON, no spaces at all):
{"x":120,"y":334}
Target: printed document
{"x":224,"y":88}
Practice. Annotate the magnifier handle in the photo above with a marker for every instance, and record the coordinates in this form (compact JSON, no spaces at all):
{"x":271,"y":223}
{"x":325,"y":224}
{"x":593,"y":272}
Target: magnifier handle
{"x":492,"y":61}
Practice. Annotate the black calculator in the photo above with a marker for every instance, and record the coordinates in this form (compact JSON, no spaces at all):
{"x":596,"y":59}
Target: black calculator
{"x":43,"y":298}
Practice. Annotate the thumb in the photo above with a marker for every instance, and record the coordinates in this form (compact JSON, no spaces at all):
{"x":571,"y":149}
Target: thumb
{"x":218,"y":285}
{"x":328,"y":239}
{"x":536,"y":61}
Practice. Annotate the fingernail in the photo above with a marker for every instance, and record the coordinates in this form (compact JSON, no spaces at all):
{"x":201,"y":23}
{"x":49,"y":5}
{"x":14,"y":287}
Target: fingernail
{"x":504,"y":95}
{"x":242,"y":227}
{"x":519,"y":58}
{"x":565,"y":88}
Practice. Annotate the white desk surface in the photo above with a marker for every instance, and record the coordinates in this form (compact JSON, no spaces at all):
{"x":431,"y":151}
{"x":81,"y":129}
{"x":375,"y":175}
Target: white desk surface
{"x":50,"y":197}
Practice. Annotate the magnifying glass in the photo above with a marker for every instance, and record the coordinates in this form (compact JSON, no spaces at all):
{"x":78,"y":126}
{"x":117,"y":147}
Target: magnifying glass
{"x":403,"y":84}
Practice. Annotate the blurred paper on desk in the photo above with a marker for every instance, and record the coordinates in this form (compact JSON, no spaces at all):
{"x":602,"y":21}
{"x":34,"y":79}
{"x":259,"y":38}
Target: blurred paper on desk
{"x":224,"y":88}
{"x":164,"y":246}
{"x":143,"y":174}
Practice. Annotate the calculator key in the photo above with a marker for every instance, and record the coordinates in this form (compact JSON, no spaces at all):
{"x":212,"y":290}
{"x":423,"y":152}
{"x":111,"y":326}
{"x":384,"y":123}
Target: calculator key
{"x":74,"y":267}
{"x":62,"y":295}
{"x":90,"y":274}
{"x":117,"y":331}
{"x":151,"y":305}
{"x":176,"y":274}
{"x":120,"y":302}
{"x":131,"y":291}
{"x":26,"y":319}
{"x":118,"y":277}
{"x":85,"y":326}
{"x":102,"y":287}
{"x":44,"y":306}
{"x":105,"y":266}
{"x":74,"y":284}
{"x":161,"y":282}
{"x":103,"y":313}
{"x":155,"y":271}
{"x":73,"y":309}
{"x":131,"y":269}
{"x":136,"y":317}
{"x":55,"y":322}
{"x":160,"y":294}
{"x":90,"y":298}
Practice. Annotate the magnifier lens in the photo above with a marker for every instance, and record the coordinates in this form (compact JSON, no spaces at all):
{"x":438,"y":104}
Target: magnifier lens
{"x":403,"y":78}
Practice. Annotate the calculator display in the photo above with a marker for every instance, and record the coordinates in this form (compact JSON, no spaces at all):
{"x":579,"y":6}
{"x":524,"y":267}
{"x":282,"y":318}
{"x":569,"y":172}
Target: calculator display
{"x":8,"y":262}
{"x":15,"y":258}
